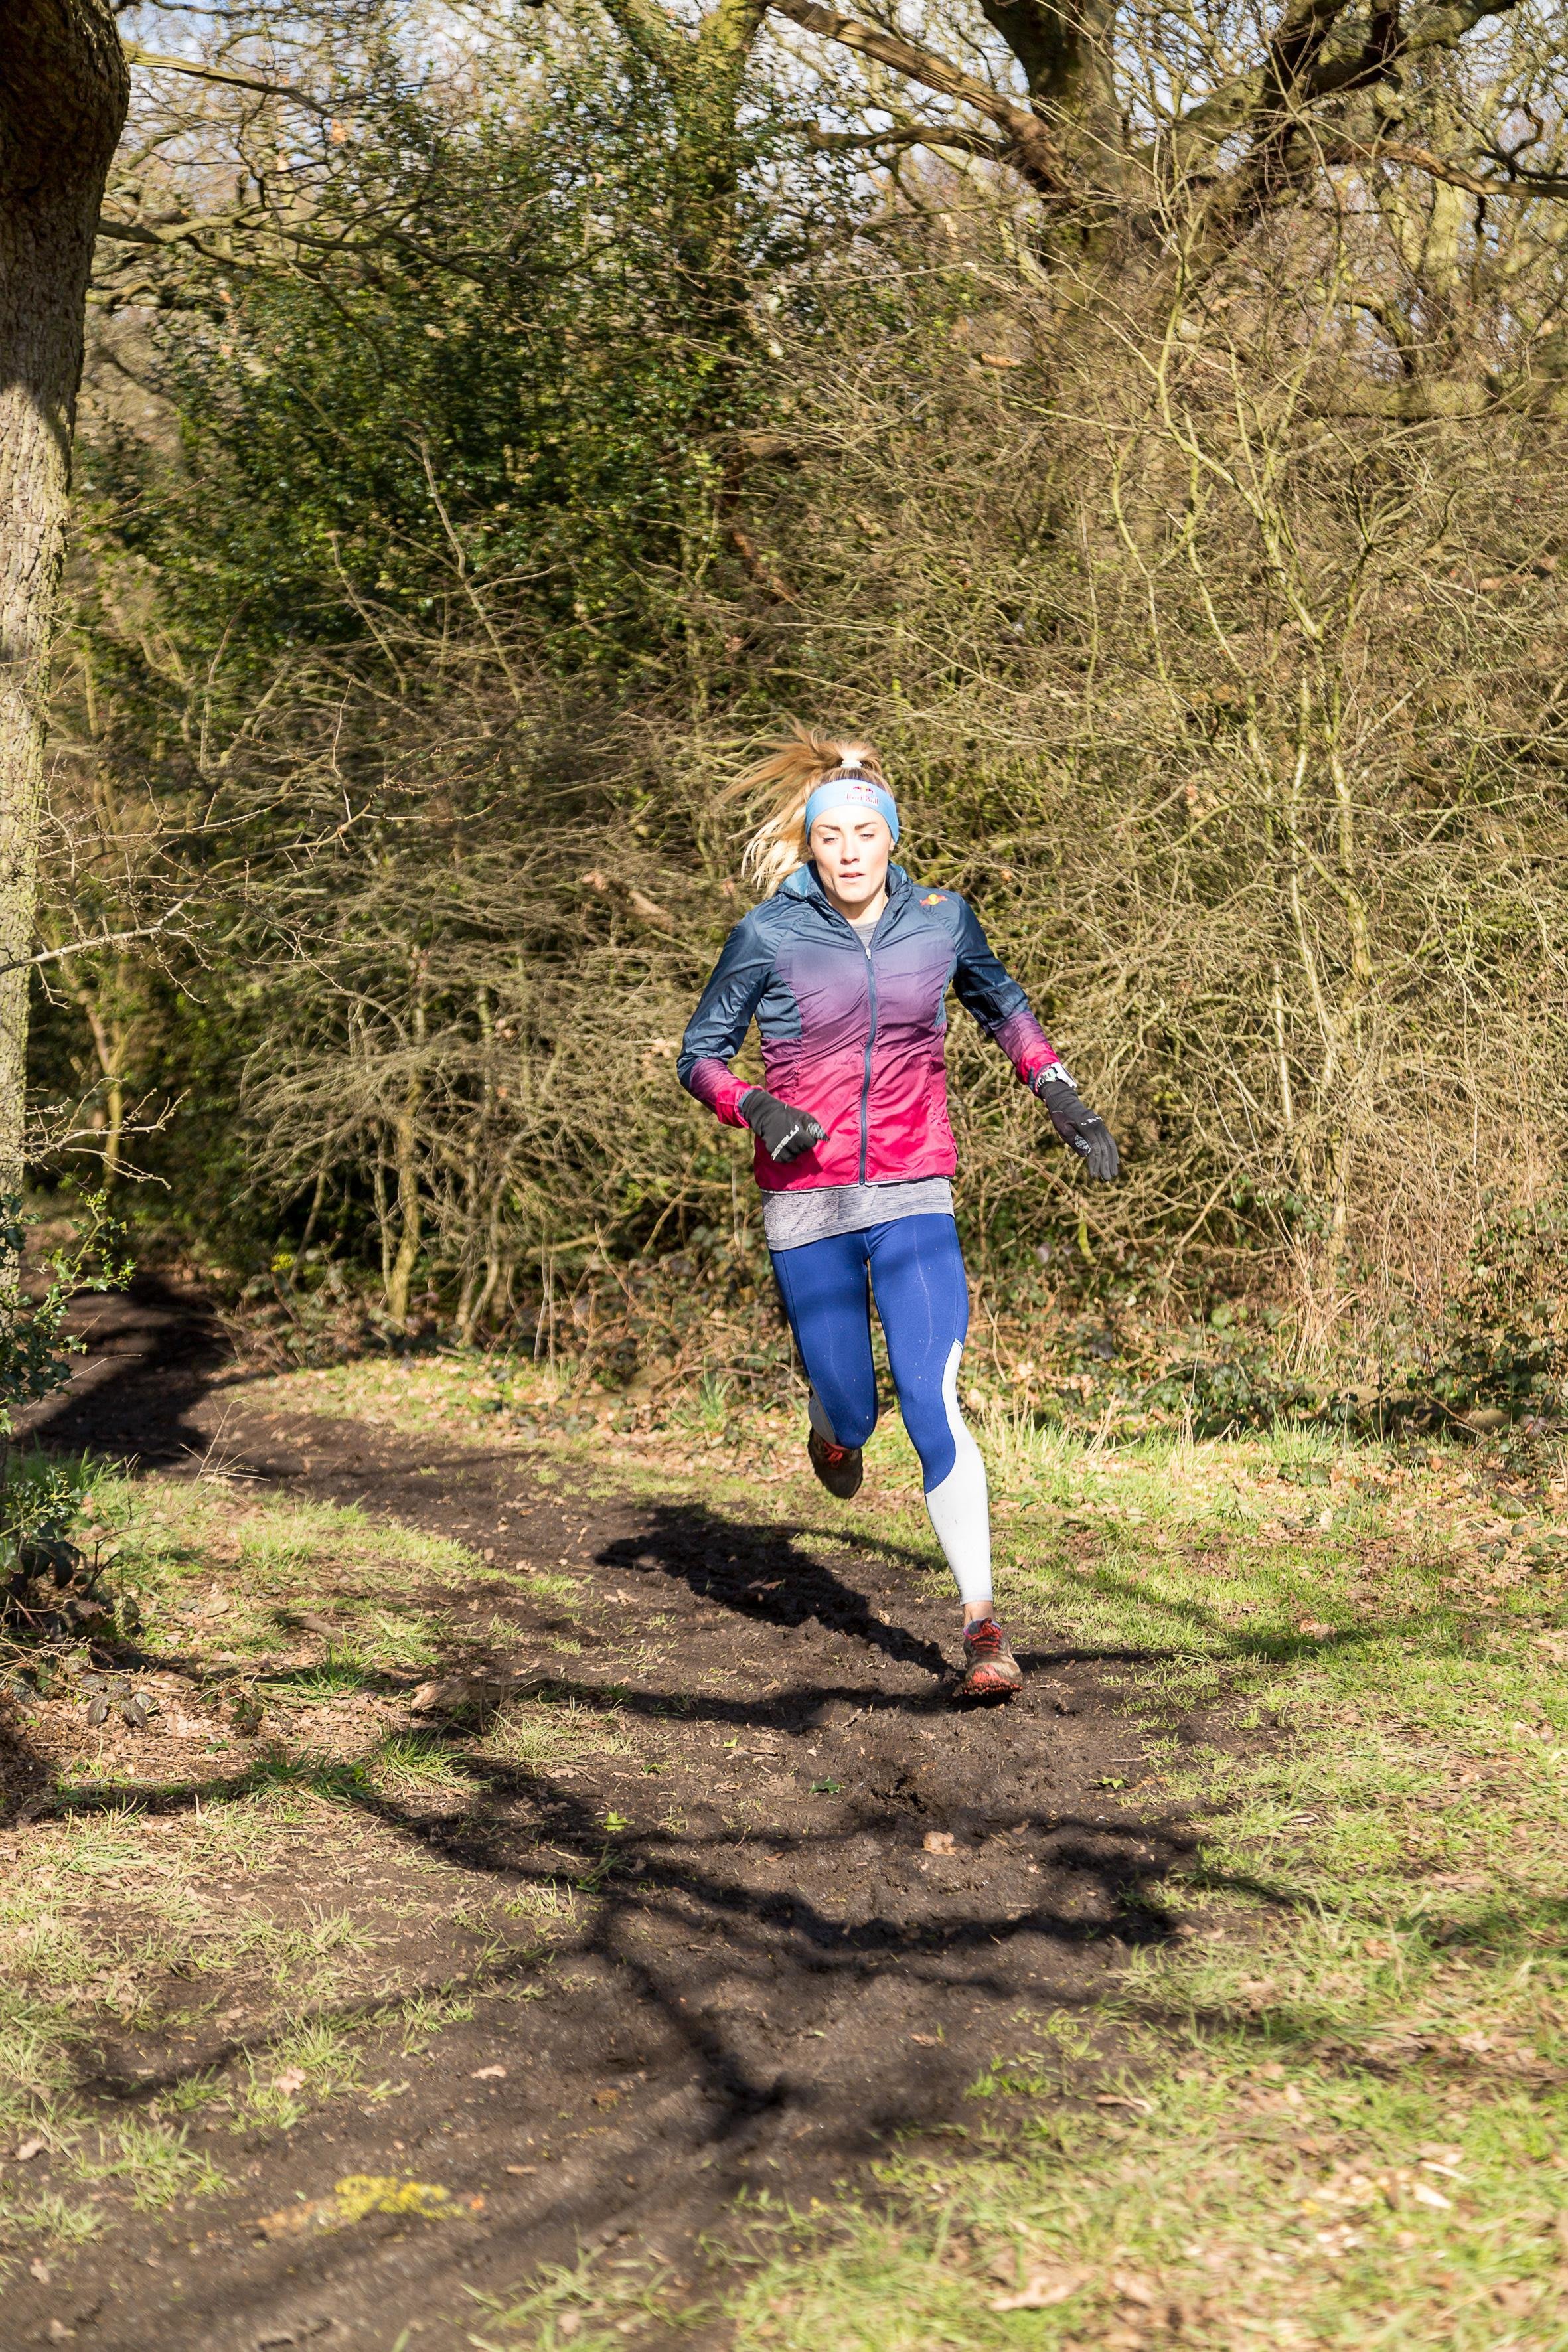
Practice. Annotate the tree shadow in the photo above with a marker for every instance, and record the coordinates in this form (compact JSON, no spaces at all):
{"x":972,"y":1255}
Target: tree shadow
{"x":640,"y":1876}
{"x":150,"y":1354}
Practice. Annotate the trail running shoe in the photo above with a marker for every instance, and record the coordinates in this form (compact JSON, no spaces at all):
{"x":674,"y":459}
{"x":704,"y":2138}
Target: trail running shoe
{"x":839,"y":1467}
{"x":990,"y":1669}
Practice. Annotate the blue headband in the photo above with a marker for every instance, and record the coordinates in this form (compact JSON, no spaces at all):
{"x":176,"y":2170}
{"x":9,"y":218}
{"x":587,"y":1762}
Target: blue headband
{"x":852,"y":793}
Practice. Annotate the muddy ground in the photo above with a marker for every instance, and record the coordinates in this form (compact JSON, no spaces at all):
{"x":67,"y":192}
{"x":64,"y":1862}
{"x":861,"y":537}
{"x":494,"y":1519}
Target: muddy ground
{"x":760,"y":1997}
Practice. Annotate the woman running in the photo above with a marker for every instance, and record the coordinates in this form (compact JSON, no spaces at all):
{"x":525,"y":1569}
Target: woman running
{"x":846,"y":966}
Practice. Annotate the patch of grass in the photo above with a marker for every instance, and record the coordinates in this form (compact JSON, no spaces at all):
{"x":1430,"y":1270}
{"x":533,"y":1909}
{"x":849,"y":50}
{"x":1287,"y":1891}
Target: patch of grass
{"x":48,"y":2218}
{"x":591,"y":2306}
{"x":443,"y":1390}
{"x":224,"y":1568}
{"x":417,"y":2021}
{"x":546,"y":1735}
{"x":545,"y":1904}
{"x":542,"y":1585}
{"x":413,"y":1763}
{"x":1236,"y":2200}
{"x":296,"y":2073}
{"x":156,"y":2162}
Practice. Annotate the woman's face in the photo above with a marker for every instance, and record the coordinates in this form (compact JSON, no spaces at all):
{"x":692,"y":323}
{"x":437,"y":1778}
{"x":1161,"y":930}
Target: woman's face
{"x":851,"y":847}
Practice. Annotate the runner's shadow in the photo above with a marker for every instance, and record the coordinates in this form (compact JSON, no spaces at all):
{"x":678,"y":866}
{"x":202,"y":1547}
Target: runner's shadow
{"x":759,"y":1572}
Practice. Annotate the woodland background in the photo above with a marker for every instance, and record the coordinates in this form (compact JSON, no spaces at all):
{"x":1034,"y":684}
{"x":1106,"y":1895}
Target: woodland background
{"x":1146,"y":423}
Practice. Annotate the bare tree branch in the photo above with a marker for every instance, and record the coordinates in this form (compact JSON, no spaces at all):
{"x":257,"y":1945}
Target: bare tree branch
{"x":1030,"y":145}
{"x":105,"y":940}
{"x":1442,"y":167}
{"x":225,"y":79}
{"x":910,"y":134}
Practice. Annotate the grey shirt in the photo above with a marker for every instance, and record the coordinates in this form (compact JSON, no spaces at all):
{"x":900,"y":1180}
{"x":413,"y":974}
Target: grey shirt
{"x":790,"y":1220}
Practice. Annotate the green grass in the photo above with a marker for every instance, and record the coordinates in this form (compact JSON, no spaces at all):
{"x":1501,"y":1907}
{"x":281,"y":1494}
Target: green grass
{"x":227,"y":1570}
{"x":1344,"y":2118}
{"x":545,"y":1735}
{"x":413,"y":1763}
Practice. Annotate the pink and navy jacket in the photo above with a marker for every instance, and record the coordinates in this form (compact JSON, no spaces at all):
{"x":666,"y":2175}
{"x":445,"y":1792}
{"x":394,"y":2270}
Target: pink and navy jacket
{"x":856,"y":1039}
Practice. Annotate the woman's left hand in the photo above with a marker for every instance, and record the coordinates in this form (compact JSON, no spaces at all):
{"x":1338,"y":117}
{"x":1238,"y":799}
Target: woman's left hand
{"x":1080,"y":1129}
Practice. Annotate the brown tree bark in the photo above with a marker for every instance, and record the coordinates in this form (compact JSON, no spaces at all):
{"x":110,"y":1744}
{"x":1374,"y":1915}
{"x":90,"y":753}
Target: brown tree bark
{"x":63,"y":89}
{"x":1065,"y":49}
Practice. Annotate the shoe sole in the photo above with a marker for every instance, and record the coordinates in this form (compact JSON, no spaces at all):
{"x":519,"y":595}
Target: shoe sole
{"x":986,"y":1684}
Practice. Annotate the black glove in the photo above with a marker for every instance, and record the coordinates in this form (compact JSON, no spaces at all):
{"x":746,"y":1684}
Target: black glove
{"x":782,"y":1133}
{"x":1079,"y":1129}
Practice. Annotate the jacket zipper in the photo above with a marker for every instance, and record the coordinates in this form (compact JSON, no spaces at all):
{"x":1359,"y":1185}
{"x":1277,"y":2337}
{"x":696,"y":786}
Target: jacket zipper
{"x":871,"y":1032}
{"x":866,"y":1083}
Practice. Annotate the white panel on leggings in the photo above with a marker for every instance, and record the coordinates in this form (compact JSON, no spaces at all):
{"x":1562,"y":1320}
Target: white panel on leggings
{"x":816,"y":1413}
{"x":960,"y":1506}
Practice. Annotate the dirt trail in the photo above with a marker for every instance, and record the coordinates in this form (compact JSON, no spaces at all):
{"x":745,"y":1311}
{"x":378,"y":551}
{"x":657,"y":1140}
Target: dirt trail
{"x":758,"y":2001}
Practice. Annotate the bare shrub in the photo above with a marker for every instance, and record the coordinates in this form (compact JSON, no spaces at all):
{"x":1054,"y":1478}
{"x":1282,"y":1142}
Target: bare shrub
{"x":1197,"y":575}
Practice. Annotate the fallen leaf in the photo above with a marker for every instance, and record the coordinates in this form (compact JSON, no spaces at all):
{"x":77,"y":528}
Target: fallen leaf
{"x":488,"y":2075}
{"x":1425,"y":2195}
{"x":938,"y":1842}
{"x":606,"y":2098}
{"x":60,"y":2333}
{"x":40,"y":2271}
{"x":292,"y":2079}
{"x":1044,"y":2288}
{"x":29,"y":2149}
{"x":471,"y":1694}
{"x":927,"y":2041}
{"x":521,"y":2169}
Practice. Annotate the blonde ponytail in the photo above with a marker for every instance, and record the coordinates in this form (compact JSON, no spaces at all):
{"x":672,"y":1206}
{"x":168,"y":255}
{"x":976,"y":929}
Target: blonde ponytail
{"x":787,"y":776}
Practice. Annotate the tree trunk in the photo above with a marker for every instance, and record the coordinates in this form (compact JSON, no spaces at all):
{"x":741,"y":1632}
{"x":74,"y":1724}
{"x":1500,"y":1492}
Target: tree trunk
{"x":405,"y":1146}
{"x":64,"y":91}
{"x":702,"y":71}
{"x":1065,"y":49}
{"x":410,"y":1222}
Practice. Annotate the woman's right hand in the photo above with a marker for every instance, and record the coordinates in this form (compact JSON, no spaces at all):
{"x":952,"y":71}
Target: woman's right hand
{"x":783,"y":1132}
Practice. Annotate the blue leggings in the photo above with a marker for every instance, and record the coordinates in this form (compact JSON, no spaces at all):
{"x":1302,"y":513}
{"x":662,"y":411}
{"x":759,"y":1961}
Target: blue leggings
{"x":914,"y":1268}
